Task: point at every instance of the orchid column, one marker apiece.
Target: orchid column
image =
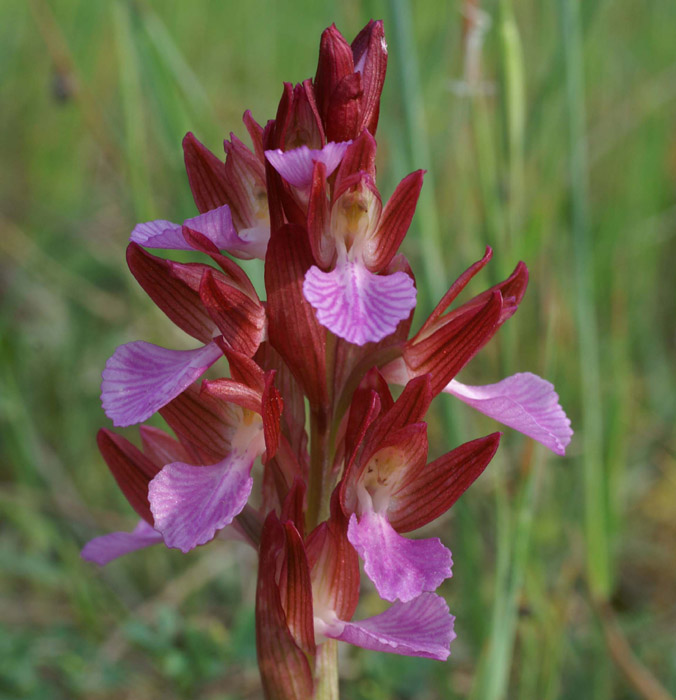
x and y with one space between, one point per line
318 353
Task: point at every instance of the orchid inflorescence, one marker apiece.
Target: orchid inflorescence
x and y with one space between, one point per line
321 351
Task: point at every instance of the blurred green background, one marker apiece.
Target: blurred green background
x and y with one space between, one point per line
548 131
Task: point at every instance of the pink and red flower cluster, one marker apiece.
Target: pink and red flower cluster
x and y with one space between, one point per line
321 349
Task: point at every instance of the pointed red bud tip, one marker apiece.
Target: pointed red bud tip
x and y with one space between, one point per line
370 38
309 130
513 290
298 120
206 175
370 59
244 185
335 63
131 468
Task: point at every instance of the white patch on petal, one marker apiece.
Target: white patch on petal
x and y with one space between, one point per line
255 240
397 372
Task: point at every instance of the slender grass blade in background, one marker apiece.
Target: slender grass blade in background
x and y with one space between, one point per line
418 151
596 496
131 93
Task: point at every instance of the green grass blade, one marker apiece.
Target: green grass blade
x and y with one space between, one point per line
427 220
596 498
131 93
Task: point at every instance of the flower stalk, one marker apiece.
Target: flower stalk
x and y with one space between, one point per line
326 671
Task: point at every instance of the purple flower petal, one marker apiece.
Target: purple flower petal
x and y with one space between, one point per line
140 378
216 225
159 234
296 165
191 503
524 402
357 304
421 627
104 549
399 567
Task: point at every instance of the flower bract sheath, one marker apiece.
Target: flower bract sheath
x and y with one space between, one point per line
286 434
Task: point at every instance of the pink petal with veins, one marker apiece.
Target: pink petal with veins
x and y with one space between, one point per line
216 225
140 378
358 305
159 234
524 402
400 568
421 627
191 503
296 165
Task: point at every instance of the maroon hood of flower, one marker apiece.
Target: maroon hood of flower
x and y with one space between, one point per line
349 81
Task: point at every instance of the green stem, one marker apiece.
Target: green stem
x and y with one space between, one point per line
326 671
